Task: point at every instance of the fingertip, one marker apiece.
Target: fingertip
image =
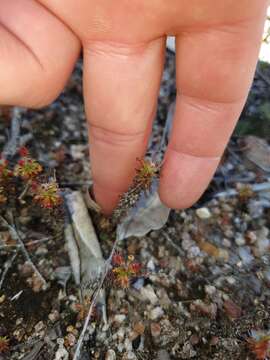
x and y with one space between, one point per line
184 178
106 199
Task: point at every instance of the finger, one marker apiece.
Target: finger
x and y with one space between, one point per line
214 73
38 53
121 84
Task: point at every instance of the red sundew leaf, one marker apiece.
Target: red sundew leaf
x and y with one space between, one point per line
135 267
23 151
21 162
4 344
34 185
117 259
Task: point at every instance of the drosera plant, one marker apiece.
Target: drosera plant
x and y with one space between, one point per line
27 168
124 271
22 186
47 194
24 179
146 172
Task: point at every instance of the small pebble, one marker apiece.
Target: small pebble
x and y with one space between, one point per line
148 293
245 255
54 316
151 265
131 356
156 313
163 355
210 290
119 318
39 326
110 355
70 340
155 329
226 243
201 307
240 240
128 344
194 339
139 328
203 213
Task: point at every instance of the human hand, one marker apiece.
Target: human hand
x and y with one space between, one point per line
123 43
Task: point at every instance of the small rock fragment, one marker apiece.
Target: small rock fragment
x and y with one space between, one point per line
131 356
39 326
203 213
155 329
188 352
70 340
194 339
139 328
128 344
54 316
209 310
156 313
148 293
61 353
240 240
151 265
119 318
163 355
210 290
232 310
214 341
110 355
245 255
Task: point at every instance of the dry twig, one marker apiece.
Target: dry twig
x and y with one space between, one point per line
7 266
255 188
14 141
94 301
29 243
15 235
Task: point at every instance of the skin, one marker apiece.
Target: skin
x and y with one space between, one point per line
123 43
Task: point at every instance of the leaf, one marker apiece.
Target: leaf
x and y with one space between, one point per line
257 151
150 214
85 253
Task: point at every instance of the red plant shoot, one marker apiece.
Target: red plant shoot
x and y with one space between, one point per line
124 270
4 344
48 195
23 151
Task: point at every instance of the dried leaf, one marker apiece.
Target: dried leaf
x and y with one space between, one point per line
90 257
150 214
73 253
90 202
257 151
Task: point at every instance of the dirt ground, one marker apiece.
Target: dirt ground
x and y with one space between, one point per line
204 292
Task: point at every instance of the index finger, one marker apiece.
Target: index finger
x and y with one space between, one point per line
121 85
